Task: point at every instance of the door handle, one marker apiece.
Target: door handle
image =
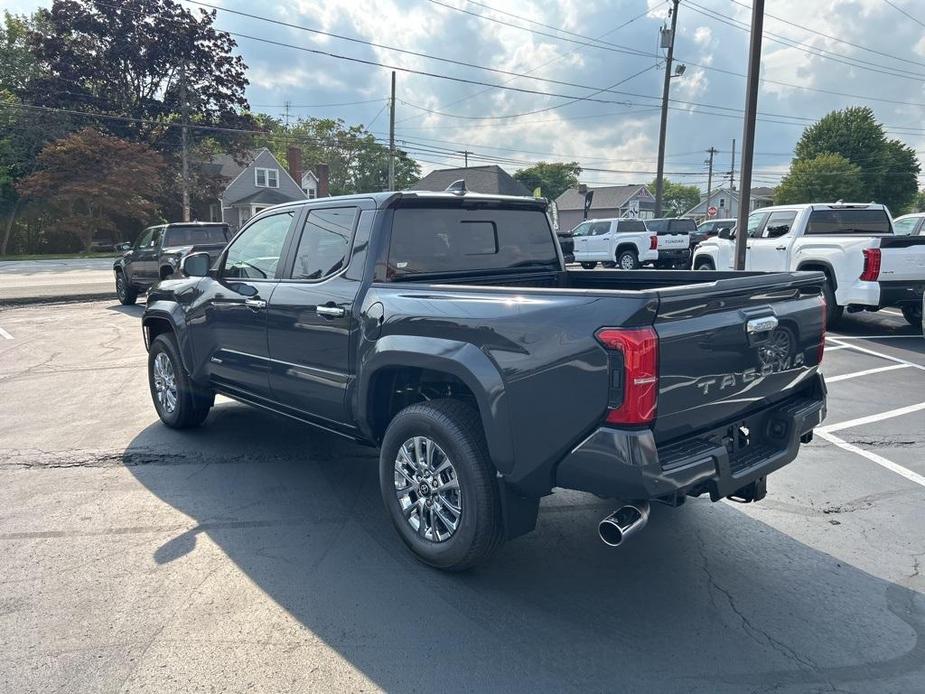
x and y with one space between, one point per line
255 304
330 311
780 248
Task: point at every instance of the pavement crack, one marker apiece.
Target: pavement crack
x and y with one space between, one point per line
755 632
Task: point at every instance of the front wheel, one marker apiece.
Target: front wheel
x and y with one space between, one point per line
179 402
127 294
913 315
589 266
439 485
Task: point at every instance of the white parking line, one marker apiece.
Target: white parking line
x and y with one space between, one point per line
880 354
836 348
873 457
845 377
870 419
5 335
872 337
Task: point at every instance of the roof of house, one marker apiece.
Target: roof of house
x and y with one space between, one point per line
604 197
763 192
490 179
228 166
264 196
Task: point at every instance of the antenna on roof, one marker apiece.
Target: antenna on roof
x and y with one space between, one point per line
457 187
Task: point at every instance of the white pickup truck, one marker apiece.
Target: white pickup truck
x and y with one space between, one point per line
868 266
623 243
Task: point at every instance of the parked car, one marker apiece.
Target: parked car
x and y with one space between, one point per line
867 266
158 251
708 229
446 330
910 224
674 241
623 243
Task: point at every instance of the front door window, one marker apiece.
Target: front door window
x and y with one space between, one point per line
255 254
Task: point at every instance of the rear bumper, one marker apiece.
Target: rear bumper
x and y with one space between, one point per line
900 293
628 464
676 256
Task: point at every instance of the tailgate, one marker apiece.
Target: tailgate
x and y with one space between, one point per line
902 259
730 347
673 242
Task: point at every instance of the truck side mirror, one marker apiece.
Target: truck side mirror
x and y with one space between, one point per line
196 264
725 233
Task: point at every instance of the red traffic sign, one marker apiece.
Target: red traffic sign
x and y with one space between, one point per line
711 211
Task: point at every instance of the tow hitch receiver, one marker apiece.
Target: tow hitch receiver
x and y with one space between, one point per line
755 491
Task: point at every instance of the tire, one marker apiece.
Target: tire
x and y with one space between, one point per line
455 432
166 273
913 315
189 404
628 260
589 266
127 294
703 264
833 312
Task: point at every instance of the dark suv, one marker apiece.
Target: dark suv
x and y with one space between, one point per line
157 252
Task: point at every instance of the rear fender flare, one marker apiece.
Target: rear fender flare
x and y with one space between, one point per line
827 269
463 360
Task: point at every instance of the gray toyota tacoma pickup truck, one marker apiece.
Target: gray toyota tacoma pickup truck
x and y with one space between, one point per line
445 329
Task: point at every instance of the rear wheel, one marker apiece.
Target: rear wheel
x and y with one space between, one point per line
913 314
439 485
179 402
589 266
627 259
127 294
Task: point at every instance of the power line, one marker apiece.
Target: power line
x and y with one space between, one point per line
900 9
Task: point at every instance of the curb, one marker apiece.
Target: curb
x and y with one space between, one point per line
60 299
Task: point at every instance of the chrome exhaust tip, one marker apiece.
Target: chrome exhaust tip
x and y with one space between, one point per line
624 522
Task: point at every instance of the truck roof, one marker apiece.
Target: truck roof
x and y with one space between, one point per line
392 199
824 206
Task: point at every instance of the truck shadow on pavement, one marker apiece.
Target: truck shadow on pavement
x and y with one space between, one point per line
705 599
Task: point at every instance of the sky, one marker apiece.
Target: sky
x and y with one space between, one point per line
606 70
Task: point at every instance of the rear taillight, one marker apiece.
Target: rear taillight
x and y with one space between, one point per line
825 318
871 265
635 402
653 243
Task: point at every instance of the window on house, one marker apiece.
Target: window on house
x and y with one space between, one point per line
311 193
722 202
266 178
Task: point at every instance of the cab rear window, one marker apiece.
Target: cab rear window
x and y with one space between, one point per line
848 221
449 241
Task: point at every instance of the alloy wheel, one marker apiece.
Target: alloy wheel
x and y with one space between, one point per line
165 383
427 489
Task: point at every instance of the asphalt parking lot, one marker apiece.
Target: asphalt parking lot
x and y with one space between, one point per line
255 554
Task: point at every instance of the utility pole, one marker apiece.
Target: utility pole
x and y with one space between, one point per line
184 136
663 125
465 153
392 136
748 134
287 115
712 152
732 168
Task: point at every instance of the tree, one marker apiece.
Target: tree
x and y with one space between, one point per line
552 178
358 163
92 180
889 169
129 58
17 64
823 178
677 198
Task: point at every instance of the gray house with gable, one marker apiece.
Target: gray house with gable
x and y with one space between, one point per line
255 182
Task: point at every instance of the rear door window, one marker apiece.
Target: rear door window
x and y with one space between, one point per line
325 243
848 221
446 240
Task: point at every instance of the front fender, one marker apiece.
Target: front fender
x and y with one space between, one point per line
160 311
463 360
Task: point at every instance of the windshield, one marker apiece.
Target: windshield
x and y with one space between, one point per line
193 235
442 240
849 221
